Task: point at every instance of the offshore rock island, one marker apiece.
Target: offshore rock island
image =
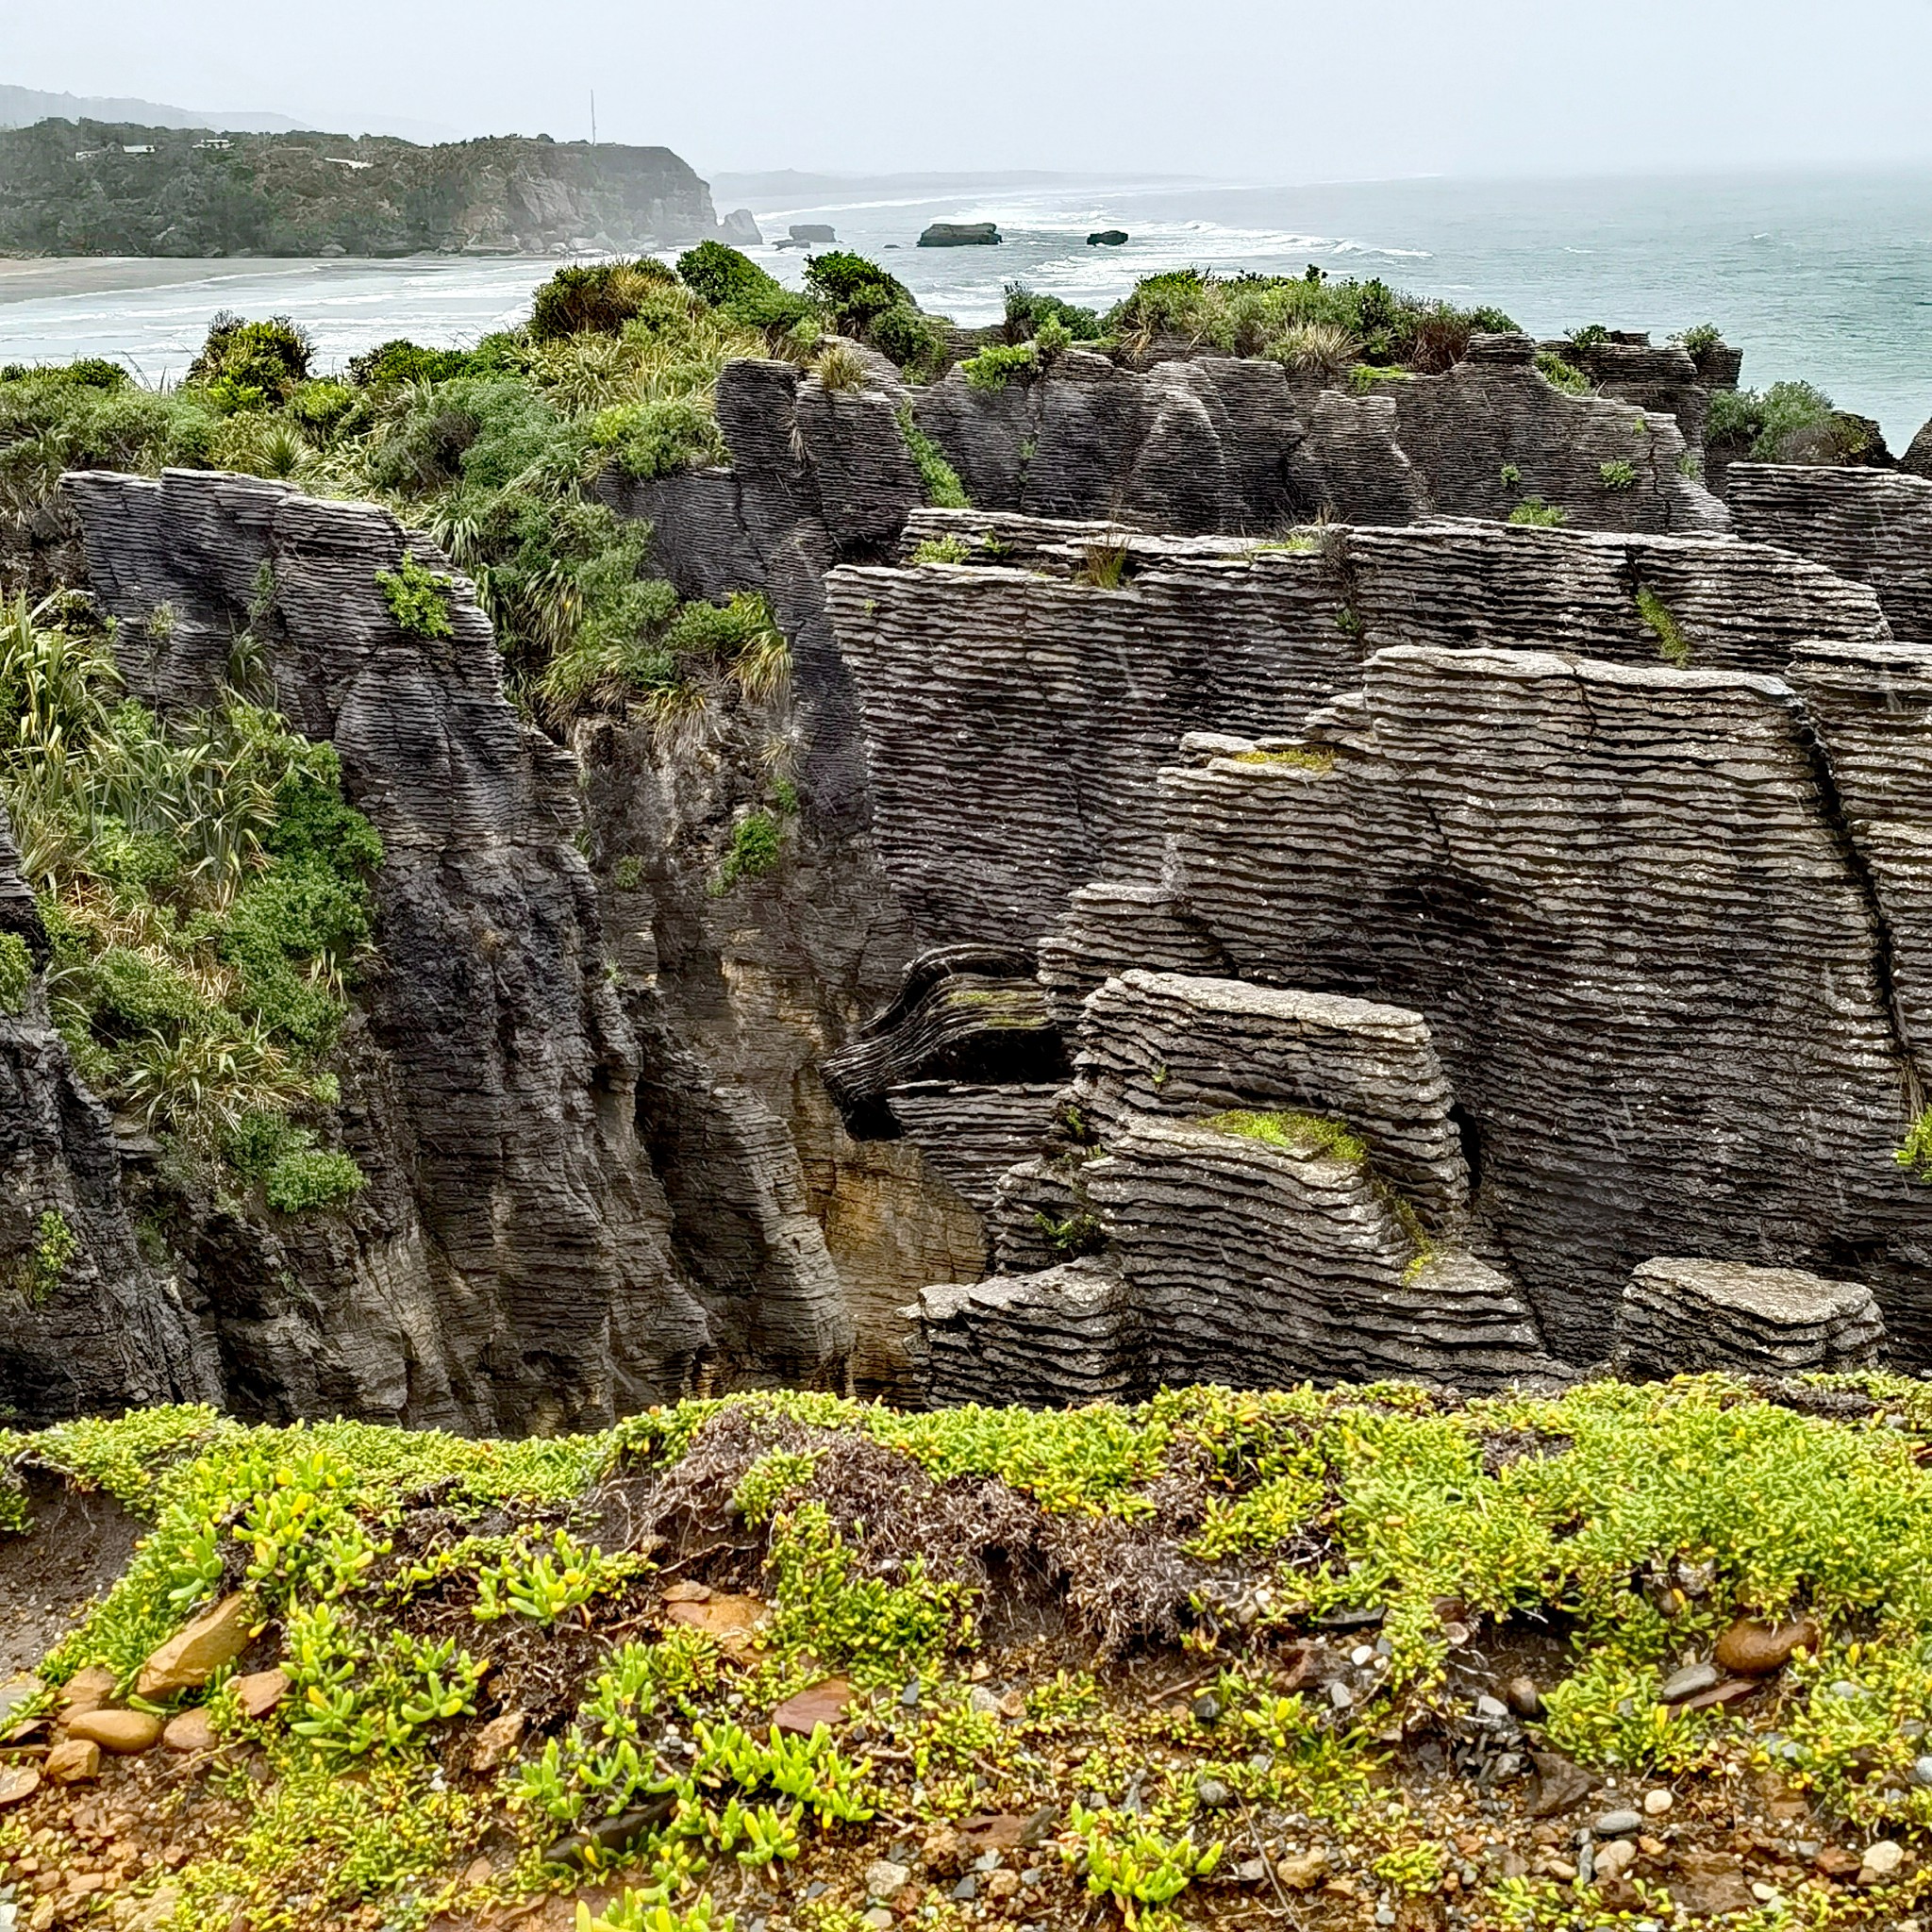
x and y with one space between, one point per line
908 950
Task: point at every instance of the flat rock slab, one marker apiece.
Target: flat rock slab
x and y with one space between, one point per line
198 1650
824 1703
735 1622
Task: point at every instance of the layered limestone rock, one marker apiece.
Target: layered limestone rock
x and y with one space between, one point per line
85 1324
1644 941
1170 1044
1687 1317
1872 525
1040 705
1068 1334
973 1013
1257 1265
1491 430
514 1261
1269 1187
1205 443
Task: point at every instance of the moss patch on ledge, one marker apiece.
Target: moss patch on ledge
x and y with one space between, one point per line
1186 1662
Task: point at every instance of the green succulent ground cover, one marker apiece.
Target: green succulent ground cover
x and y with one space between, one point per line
417 1586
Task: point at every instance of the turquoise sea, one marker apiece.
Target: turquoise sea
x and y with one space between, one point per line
1823 277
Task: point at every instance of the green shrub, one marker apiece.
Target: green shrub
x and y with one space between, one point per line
1672 646
305 1179
1699 342
942 550
997 364
757 845
852 292
1592 335
1562 375
736 284
601 298
16 971
1026 312
418 599
914 341
44 1266
394 363
1616 474
1766 424
658 439
938 478
1539 515
321 408
252 365
1915 1154
1267 315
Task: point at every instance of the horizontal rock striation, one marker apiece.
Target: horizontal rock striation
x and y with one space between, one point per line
1170 1044
513 1261
1201 443
1108 928
1257 1265
1872 525
973 1013
972 1135
1688 1317
1066 1335
1041 706
1490 431
1650 957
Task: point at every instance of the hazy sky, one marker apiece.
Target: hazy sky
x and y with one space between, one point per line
1267 90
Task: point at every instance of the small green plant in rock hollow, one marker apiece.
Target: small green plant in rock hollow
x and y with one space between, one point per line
938 478
1672 646
1533 513
1915 1154
757 845
1616 474
418 599
16 971
1562 375
44 1266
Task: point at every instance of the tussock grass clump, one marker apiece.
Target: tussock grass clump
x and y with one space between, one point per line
205 893
1272 315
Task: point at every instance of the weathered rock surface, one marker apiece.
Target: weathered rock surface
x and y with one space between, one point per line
102 1330
1065 1334
510 1261
1651 863
1205 443
1683 1317
1041 708
1872 525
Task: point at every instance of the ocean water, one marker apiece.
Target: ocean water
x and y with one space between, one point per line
1825 277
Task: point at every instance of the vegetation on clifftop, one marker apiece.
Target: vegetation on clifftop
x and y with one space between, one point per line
1179 1663
204 891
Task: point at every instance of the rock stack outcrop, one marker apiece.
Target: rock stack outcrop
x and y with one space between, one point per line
1204 443
1678 1317
515 1260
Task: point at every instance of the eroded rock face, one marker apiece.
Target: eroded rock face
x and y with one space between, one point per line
1205 443
1680 1317
1872 525
515 1263
85 1322
1041 706
1624 901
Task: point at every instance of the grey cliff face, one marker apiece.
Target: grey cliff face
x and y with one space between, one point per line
518 1262
1413 945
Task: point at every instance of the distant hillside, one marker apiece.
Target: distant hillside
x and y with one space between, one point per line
99 187
21 107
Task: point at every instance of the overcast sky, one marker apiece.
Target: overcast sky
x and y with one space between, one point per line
1275 91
